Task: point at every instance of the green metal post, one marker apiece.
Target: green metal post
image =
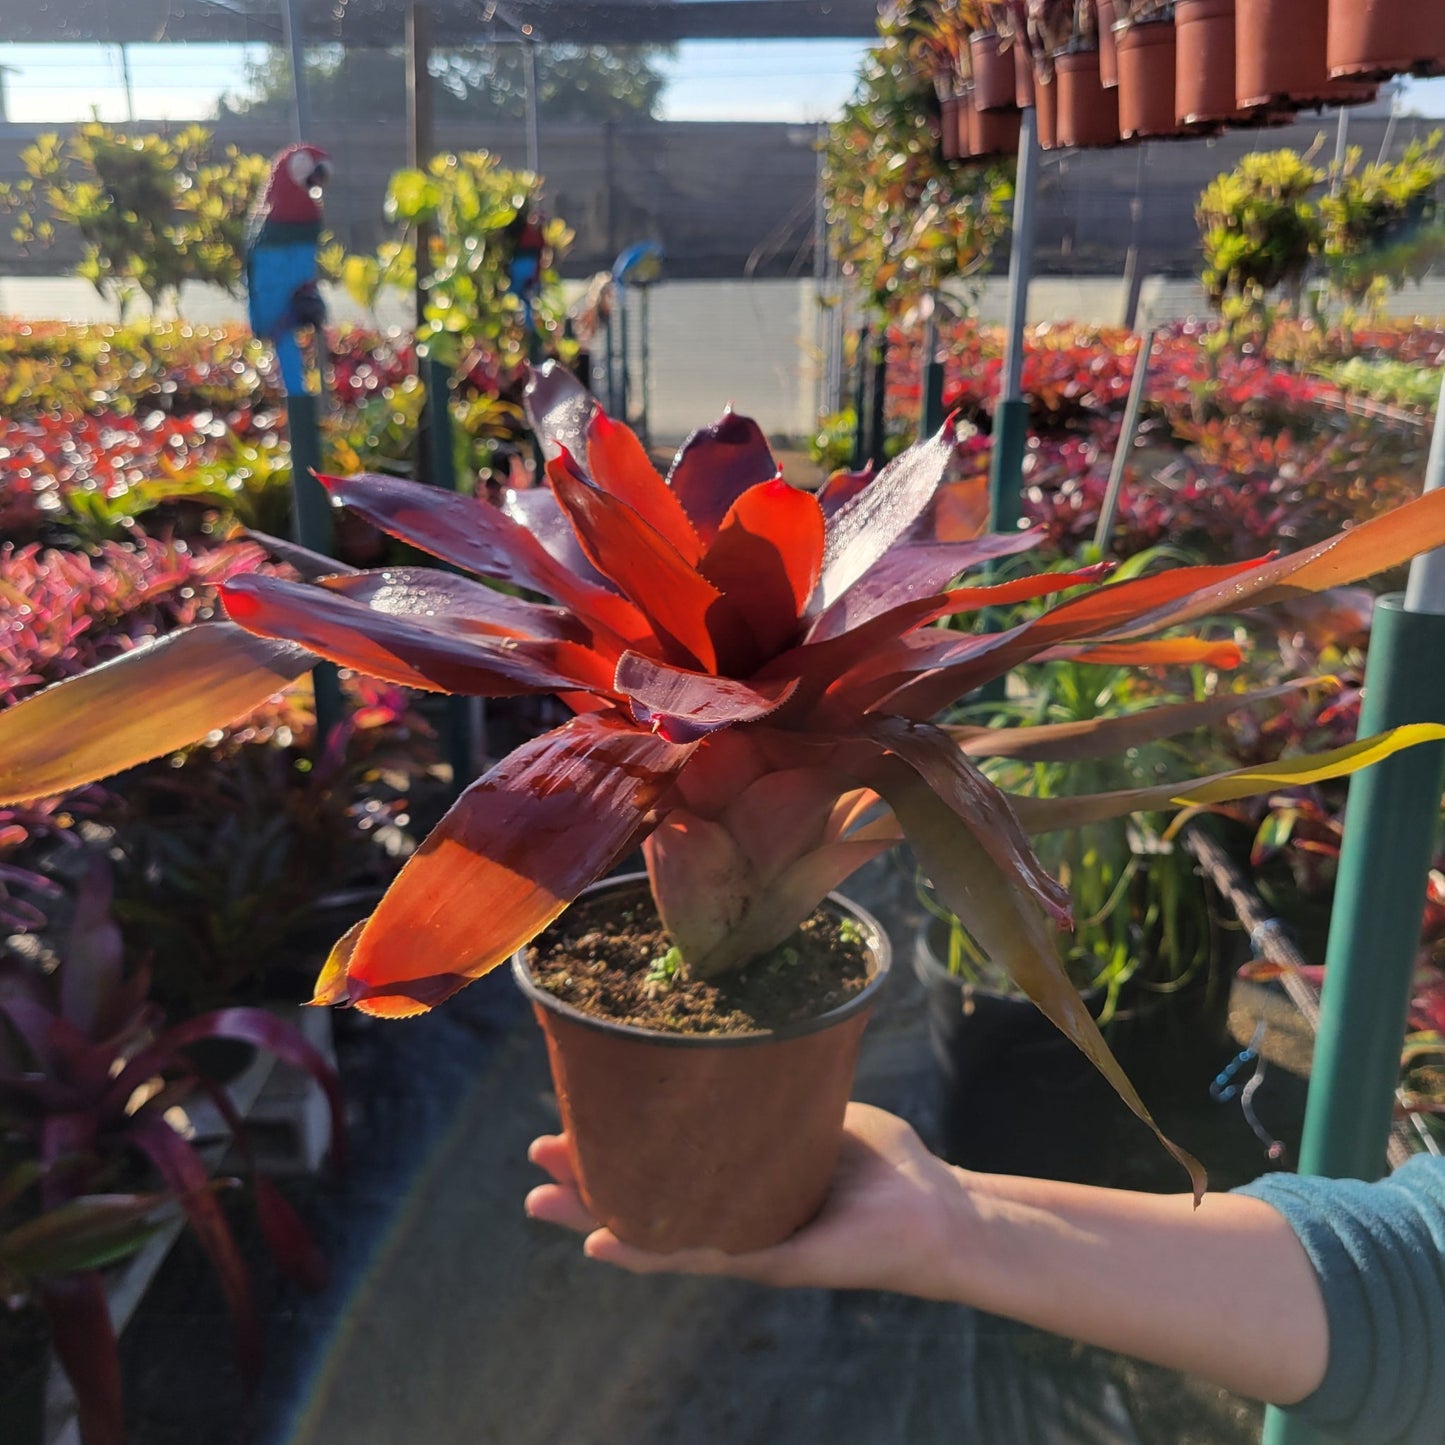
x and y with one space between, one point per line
1011 412
930 418
461 711
878 404
1390 831
860 400
311 527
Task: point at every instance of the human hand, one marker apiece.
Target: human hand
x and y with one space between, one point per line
894 1218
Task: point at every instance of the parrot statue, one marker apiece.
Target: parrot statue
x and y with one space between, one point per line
281 269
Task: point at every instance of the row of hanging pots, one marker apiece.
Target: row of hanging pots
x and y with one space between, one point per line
1196 68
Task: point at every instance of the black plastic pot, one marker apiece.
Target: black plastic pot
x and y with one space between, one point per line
1017 1096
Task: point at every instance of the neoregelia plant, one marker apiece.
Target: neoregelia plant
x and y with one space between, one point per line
752 669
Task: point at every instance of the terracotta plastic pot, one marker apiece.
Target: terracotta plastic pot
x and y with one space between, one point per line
1379 38
993 73
1146 52
1204 65
682 1140
1088 115
1108 44
948 126
1279 56
1046 110
994 133
1023 62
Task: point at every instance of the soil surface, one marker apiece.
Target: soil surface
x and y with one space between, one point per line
612 958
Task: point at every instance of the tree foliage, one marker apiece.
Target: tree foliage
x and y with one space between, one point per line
574 83
903 220
152 211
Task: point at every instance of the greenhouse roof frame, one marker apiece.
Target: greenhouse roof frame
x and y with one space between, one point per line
381 23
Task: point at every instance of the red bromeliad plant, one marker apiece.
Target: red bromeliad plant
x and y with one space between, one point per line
751 667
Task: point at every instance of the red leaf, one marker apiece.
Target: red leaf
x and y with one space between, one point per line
435 655
765 560
536 509
478 538
684 706
512 852
1156 653
85 1345
560 409
470 606
715 466
622 545
619 465
865 528
842 486
292 1245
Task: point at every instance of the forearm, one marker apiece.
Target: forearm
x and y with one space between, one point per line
1225 1291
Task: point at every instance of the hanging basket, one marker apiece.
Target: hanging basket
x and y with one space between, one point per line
1046 109
1023 63
1108 45
1204 66
1279 57
948 126
1374 39
1088 115
993 73
1146 51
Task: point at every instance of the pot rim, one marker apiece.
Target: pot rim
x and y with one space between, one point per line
878 946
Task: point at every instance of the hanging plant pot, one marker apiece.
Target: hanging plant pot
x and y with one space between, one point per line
1088 115
1108 44
994 133
1204 65
682 1140
1279 57
1146 51
1374 39
993 73
1023 63
1017 1097
1046 109
948 126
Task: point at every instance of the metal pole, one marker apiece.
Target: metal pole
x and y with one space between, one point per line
645 429
463 713
1392 820
1137 385
1011 413
534 136
860 400
930 416
311 527
1134 261
624 401
125 80
1342 146
420 130
300 108
878 402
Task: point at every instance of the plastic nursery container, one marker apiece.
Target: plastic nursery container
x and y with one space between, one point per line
1087 114
1146 51
1374 39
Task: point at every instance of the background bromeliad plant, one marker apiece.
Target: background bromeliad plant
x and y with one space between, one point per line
723 637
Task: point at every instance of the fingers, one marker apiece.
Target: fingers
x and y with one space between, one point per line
549 1153
560 1204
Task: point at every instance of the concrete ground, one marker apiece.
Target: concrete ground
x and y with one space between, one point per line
454 1319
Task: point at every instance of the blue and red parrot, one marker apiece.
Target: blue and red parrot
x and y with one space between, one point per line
281 268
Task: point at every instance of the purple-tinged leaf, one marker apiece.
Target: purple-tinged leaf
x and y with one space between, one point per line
185 1176
433 653
309 566
985 811
84 1342
94 956
470 606
863 530
715 466
86 1233
842 486
783 815
913 571
684 706
512 852
148 702
536 509
292 1245
559 408
477 537
1003 918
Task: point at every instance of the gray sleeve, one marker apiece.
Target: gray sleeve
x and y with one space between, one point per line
1379 1252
